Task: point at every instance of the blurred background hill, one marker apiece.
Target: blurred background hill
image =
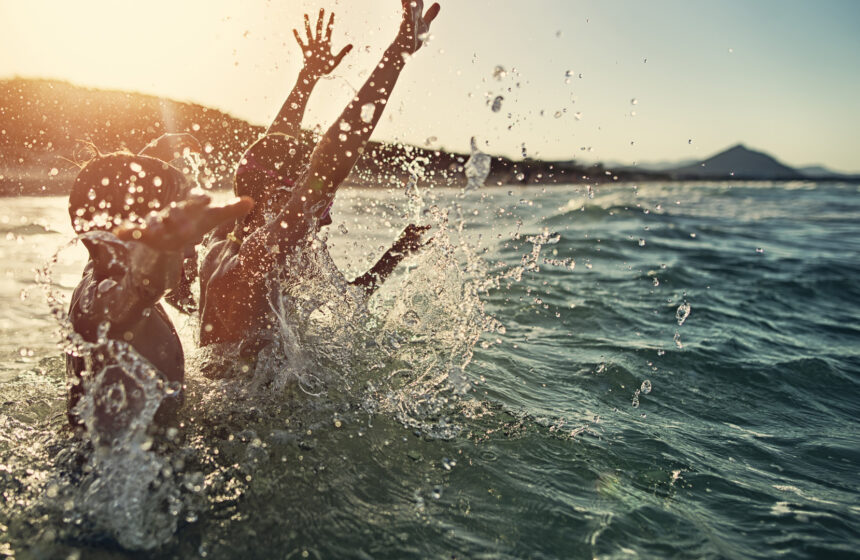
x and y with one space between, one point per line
46 125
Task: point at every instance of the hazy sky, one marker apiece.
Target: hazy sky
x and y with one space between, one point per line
658 80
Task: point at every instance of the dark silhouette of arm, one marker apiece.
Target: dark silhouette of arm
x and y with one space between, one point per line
408 242
334 156
342 144
338 150
133 266
319 60
120 281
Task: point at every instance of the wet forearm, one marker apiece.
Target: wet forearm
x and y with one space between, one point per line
344 141
289 119
373 278
124 285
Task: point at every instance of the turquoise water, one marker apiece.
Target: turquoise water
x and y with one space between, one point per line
661 370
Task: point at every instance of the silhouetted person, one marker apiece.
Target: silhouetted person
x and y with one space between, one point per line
293 190
139 222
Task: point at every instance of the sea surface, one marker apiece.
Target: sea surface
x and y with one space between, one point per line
661 370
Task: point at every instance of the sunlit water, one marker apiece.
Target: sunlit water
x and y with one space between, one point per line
668 370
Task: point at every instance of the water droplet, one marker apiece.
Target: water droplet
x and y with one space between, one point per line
641 242
499 72
759 250
411 318
635 402
677 339
497 103
367 112
344 126
682 313
646 387
54 171
634 101
342 228
477 167
195 127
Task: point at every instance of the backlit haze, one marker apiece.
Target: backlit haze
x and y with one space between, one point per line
625 81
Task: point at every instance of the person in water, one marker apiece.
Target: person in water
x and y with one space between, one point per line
293 189
139 221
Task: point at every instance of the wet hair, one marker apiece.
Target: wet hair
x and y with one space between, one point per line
276 160
269 171
116 187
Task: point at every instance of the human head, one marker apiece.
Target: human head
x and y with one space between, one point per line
113 188
268 173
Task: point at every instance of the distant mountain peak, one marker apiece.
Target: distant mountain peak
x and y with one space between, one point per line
738 162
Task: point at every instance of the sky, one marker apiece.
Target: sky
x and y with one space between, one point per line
618 81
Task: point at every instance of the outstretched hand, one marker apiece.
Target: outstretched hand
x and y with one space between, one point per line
410 240
319 57
415 25
183 224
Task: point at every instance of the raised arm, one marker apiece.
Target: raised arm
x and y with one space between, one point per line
342 144
319 60
336 153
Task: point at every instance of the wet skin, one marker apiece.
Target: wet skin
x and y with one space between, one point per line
233 277
129 271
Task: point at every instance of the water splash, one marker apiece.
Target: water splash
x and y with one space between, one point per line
125 490
682 313
477 167
496 105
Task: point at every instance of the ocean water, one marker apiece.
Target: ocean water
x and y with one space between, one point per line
662 370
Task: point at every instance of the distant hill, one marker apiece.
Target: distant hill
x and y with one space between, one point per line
43 121
819 171
738 162
655 166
